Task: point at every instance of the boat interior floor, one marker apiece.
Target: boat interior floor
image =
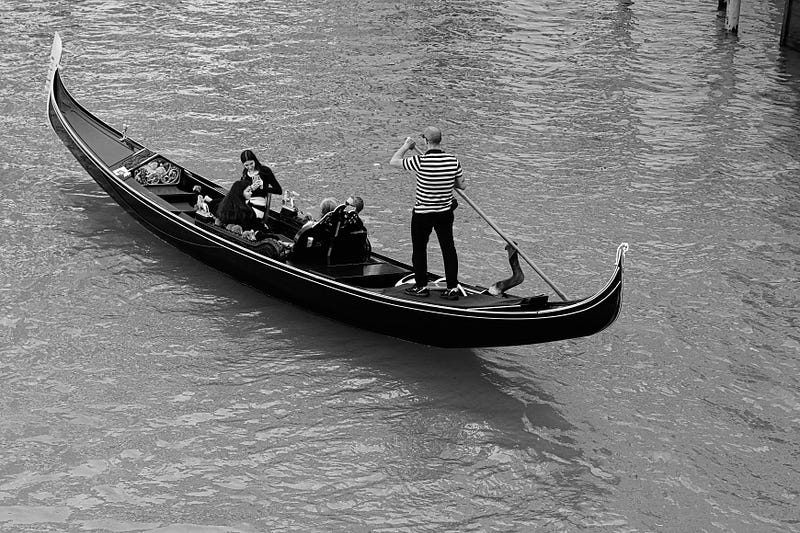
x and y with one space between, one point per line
472 300
369 274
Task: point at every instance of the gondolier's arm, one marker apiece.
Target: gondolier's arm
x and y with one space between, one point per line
399 155
409 144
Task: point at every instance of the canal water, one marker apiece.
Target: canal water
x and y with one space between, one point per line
143 391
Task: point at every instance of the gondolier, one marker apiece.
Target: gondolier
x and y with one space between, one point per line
437 173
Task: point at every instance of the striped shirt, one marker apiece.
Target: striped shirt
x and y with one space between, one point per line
436 175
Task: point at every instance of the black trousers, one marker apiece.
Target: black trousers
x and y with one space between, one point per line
421 227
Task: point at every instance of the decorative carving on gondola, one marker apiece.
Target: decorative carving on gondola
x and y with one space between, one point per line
517 276
158 172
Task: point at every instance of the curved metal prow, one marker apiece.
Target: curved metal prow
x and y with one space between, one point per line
621 251
55 64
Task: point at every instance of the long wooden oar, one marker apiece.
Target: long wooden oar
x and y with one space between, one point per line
507 239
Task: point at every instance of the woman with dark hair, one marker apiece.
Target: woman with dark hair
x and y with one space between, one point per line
262 182
234 210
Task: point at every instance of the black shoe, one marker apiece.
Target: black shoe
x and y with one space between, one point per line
450 294
417 291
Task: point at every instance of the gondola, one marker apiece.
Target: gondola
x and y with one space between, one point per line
339 276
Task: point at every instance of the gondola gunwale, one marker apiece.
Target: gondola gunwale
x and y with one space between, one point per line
189 224
148 200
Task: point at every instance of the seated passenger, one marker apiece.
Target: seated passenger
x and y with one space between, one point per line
355 203
313 239
326 206
338 237
262 180
351 221
351 241
235 214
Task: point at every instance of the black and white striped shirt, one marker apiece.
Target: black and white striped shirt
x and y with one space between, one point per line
436 175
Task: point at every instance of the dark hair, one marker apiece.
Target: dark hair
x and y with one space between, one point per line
233 209
248 155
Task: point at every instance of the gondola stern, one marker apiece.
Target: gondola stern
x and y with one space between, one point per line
608 301
618 285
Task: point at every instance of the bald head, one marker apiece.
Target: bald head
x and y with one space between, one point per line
433 134
356 202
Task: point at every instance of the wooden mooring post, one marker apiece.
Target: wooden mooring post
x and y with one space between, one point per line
790 33
731 9
732 16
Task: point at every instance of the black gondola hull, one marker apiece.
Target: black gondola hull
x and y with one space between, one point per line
96 146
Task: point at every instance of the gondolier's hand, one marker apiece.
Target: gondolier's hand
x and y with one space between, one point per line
397 158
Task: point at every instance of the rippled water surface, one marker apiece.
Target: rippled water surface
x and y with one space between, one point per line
143 391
